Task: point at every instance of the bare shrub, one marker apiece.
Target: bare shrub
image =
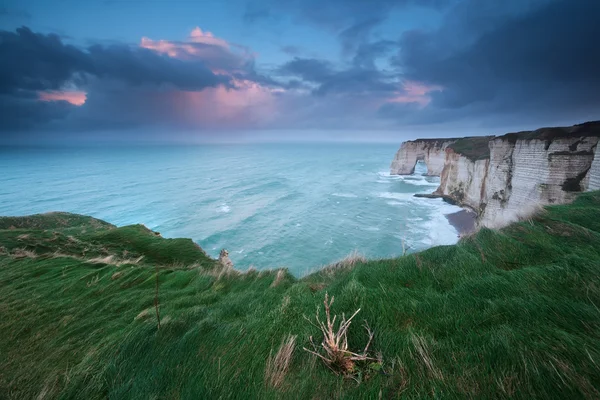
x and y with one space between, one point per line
334 347
278 364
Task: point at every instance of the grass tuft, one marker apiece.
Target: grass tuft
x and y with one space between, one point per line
278 364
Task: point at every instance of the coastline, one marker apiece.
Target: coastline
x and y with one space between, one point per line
463 221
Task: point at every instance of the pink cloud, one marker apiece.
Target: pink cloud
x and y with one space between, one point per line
201 45
415 92
199 36
248 103
74 97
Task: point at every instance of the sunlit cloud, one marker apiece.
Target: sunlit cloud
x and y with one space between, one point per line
75 97
199 36
204 46
244 103
248 104
415 93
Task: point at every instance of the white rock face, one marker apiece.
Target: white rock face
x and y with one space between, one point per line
431 151
463 180
524 171
526 174
594 175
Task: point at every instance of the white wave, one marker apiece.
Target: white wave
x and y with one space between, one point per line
386 175
224 208
397 196
346 195
415 180
419 181
371 229
440 231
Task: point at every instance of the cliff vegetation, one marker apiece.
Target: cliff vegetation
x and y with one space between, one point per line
474 148
90 311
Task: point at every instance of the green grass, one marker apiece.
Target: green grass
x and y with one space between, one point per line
503 314
474 148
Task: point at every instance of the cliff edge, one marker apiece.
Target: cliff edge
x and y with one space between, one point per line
503 178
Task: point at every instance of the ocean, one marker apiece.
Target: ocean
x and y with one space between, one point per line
299 206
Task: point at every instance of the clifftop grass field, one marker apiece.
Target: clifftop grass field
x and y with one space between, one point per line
503 314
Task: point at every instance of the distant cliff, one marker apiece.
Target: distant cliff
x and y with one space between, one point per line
505 177
431 151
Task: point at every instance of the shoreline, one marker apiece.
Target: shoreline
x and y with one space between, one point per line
463 221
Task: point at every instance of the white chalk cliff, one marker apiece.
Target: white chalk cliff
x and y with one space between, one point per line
515 173
431 151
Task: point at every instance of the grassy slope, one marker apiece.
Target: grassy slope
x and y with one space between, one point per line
503 314
474 148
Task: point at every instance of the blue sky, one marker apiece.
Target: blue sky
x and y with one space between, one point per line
204 70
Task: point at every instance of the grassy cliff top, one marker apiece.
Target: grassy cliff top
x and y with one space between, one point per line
474 148
503 314
586 129
477 147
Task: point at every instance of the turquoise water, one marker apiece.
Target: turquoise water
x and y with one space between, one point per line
295 206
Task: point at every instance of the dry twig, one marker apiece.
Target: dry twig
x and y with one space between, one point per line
334 347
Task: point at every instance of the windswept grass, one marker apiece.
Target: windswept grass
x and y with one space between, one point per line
513 313
279 363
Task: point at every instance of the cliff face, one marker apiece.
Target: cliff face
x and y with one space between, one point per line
527 173
463 180
431 151
518 172
594 175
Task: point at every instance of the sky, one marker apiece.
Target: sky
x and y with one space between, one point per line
293 70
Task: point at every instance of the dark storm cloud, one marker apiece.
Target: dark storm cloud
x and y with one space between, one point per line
354 80
32 62
138 66
541 64
23 112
